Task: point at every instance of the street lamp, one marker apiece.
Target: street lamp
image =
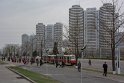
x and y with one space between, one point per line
118 55
118 60
81 62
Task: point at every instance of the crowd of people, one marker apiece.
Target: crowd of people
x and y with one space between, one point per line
15 59
60 64
30 60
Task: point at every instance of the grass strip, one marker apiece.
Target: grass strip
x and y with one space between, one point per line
38 78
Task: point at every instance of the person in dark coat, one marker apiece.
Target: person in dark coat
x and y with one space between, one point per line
63 64
90 62
79 66
37 61
32 60
41 62
105 67
56 63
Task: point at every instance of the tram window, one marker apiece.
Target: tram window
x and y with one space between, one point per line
72 57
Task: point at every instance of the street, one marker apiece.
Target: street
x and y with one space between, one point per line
7 76
71 75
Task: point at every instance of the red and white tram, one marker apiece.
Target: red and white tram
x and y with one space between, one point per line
67 59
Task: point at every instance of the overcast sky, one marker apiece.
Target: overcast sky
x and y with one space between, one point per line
21 16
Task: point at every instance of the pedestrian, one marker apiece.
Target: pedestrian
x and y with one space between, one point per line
90 62
41 62
8 58
20 59
105 67
32 60
37 61
2 58
24 60
60 64
63 64
79 66
56 63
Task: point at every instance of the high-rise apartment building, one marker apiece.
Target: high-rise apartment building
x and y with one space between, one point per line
33 43
91 27
40 35
25 44
105 27
29 44
49 36
76 27
58 34
25 39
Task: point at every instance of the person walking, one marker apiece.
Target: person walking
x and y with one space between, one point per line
105 67
79 66
56 63
37 61
63 64
41 62
90 62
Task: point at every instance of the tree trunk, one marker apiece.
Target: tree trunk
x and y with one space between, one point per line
113 60
113 50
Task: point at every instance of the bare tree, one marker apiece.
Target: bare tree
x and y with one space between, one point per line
55 51
74 37
116 21
26 48
11 50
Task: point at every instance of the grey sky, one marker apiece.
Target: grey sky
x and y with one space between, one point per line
21 16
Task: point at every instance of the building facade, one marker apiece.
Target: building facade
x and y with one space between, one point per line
25 48
33 44
40 36
105 27
58 34
25 39
76 28
49 36
91 27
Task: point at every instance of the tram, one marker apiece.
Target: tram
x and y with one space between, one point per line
67 59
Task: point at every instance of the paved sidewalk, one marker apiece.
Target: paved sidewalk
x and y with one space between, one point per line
109 76
71 75
97 64
89 73
7 76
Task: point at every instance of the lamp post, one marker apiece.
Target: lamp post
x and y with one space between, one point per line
118 56
81 61
118 60
81 67
46 62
